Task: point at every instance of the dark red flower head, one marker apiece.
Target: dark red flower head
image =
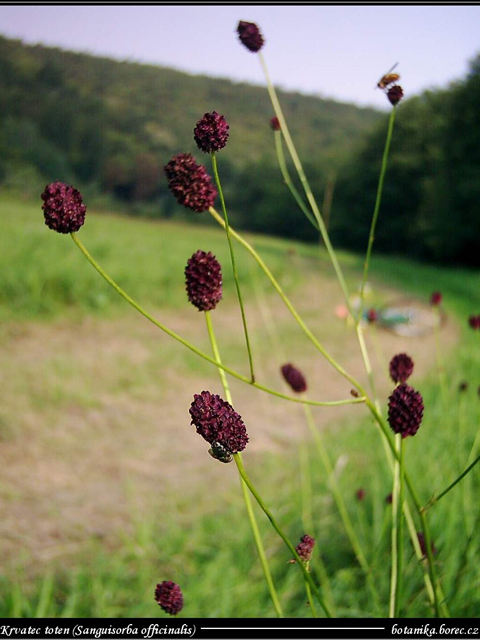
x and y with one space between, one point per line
463 386
474 322
360 494
405 410
250 36
372 315
169 596
275 123
305 548
395 94
389 498
294 378
203 276
190 183
217 422
435 298
63 207
211 132
401 367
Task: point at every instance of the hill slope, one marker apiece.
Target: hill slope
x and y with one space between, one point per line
114 124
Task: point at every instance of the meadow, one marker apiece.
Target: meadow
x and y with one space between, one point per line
106 488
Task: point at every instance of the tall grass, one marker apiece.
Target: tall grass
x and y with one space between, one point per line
212 548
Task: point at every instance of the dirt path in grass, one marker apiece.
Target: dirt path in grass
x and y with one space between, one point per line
94 424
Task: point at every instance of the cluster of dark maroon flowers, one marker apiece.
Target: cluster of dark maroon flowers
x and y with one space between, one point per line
211 132
474 322
395 94
401 367
305 548
190 183
218 423
203 276
405 405
294 377
250 36
169 596
63 207
372 315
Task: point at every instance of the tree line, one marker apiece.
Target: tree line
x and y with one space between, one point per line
110 126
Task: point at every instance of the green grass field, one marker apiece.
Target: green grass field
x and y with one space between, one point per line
196 533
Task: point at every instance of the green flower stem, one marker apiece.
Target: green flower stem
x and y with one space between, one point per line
306 575
400 530
374 408
337 494
234 266
216 355
321 224
376 209
395 519
304 459
371 238
195 350
288 180
308 192
443 493
420 510
397 531
310 600
248 503
289 305
412 529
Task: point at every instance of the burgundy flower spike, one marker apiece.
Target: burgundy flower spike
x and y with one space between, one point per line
294 377
218 423
203 275
305 548
250 36
63 208
211 132
405 410
401 367
169 596
190 183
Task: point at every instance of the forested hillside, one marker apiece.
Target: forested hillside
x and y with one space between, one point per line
115 124
109 127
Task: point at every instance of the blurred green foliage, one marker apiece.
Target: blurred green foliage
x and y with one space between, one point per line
431 196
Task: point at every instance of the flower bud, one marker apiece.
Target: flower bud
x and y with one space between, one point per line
250 36
294 377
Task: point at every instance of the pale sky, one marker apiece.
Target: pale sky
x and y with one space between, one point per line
336 52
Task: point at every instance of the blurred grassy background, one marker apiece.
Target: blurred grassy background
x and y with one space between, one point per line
82 375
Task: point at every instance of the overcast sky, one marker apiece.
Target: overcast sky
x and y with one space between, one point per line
332 51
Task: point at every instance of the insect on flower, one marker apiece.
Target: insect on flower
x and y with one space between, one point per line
388 79
219 452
